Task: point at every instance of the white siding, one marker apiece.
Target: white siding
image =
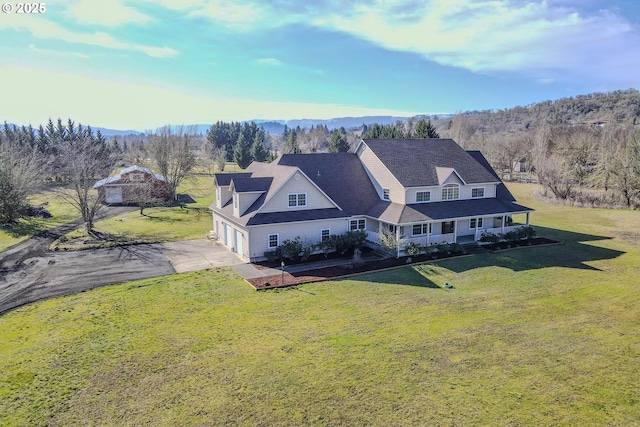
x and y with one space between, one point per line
308 231
280 201
246 200
225 195
381 177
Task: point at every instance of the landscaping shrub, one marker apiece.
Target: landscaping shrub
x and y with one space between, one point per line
412 249
488 237
291 249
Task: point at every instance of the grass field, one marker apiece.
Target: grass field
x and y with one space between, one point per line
157 225
545 336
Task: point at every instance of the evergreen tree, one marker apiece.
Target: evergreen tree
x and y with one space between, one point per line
258 151
338 143
241 152
424 129
291 145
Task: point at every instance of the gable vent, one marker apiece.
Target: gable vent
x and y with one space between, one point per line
296 177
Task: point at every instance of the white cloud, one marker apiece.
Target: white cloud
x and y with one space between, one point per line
231 13
142 106
109 13
495 35
56 53
44 29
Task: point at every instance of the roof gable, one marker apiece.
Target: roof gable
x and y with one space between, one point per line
341 176
414 162
445 173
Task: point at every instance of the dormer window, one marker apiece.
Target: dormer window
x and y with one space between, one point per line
451 192
136 177
385 193
423 196
477 192
235 201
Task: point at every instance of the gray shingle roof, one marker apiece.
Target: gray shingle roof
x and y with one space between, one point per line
247 185
344 179
341 176
414 161
225 179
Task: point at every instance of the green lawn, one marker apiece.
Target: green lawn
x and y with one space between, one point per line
158 224
61 213
543 336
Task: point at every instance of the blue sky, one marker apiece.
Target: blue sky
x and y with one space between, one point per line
142 64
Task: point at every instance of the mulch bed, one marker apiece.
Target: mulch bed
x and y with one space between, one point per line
502 246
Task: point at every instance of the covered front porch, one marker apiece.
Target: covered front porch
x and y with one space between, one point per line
459 230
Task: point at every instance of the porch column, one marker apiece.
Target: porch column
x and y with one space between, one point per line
429 234
527 221
504 218
455 231
398 241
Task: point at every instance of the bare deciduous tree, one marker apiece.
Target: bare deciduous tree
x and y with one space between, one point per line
85 160
173 153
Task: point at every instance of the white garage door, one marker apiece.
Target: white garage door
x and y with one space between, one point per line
113 194
239 242
227 235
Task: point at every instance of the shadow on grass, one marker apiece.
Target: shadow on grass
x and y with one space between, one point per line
397 276
25 227
573 252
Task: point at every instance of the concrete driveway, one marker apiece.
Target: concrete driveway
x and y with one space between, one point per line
194 255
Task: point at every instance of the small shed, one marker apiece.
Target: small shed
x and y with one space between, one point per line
135 185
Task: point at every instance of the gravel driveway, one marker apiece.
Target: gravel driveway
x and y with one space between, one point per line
29 272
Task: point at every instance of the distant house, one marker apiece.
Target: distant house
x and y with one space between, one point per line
135 185
425 191
522 165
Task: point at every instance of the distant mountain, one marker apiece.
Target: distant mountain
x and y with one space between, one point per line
110 133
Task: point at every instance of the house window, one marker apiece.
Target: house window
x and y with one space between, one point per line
451 192
475 223
299 199
385 193
421 229
273 240
235 201
357 224
136 177
218 197
477 192
448 227
325 234
423 196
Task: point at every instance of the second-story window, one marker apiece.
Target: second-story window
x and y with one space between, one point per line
423 196
385 193
451 192
477 192
299 199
